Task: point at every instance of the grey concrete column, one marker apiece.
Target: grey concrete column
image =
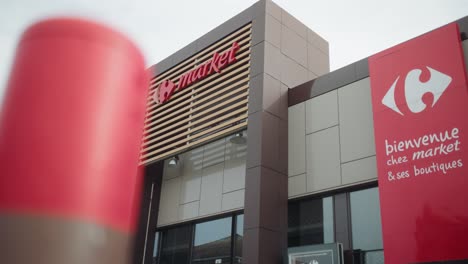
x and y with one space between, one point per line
266 193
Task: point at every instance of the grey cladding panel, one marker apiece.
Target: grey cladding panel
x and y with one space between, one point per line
356 121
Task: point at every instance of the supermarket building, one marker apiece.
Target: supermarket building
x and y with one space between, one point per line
252 147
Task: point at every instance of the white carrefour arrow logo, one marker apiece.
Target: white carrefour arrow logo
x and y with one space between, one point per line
415 89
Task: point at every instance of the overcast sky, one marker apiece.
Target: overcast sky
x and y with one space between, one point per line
354 28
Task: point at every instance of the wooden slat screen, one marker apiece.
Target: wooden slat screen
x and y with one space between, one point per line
206 110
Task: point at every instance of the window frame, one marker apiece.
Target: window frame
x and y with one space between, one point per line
192 224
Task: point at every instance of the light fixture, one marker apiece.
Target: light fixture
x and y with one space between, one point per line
173 161
238 139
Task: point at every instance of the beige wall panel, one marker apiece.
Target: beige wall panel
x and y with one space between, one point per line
356 121
211 189
322 112
297 185
323 159
296 140
359 170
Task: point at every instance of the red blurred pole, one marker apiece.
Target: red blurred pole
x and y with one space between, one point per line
70 130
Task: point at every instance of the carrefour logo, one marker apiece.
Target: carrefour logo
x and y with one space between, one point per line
415 89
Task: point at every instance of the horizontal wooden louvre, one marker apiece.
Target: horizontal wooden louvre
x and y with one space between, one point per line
209 109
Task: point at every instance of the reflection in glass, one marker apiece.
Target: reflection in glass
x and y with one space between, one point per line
175 245
238 239
365 219
374 257
328 223
310 222
156 248
212 242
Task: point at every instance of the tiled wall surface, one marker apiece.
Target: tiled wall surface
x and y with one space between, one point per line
208 180
279 60
291 52
331 140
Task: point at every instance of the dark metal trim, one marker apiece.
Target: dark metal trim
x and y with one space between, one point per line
201 220
347 189
350 222
329 82
152 179
192 242
344 76
341 218
233 236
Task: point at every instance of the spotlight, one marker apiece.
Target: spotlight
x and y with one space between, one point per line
238 139
173 161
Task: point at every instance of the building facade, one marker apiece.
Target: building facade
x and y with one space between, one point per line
251 147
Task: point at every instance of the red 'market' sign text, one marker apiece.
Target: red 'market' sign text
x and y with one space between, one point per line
218 62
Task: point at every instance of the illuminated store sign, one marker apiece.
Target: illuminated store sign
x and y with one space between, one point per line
419 101
218 62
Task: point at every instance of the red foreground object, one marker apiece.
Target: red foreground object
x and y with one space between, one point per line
70 127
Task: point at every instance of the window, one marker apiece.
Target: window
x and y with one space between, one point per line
310 222
238 238
156 248
365 219
366 225
328 221
213 242
210 242
175 245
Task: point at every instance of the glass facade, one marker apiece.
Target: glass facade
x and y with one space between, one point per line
156 248
238 238
365 219
366 224
210 242
213 242
175 245
310 222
